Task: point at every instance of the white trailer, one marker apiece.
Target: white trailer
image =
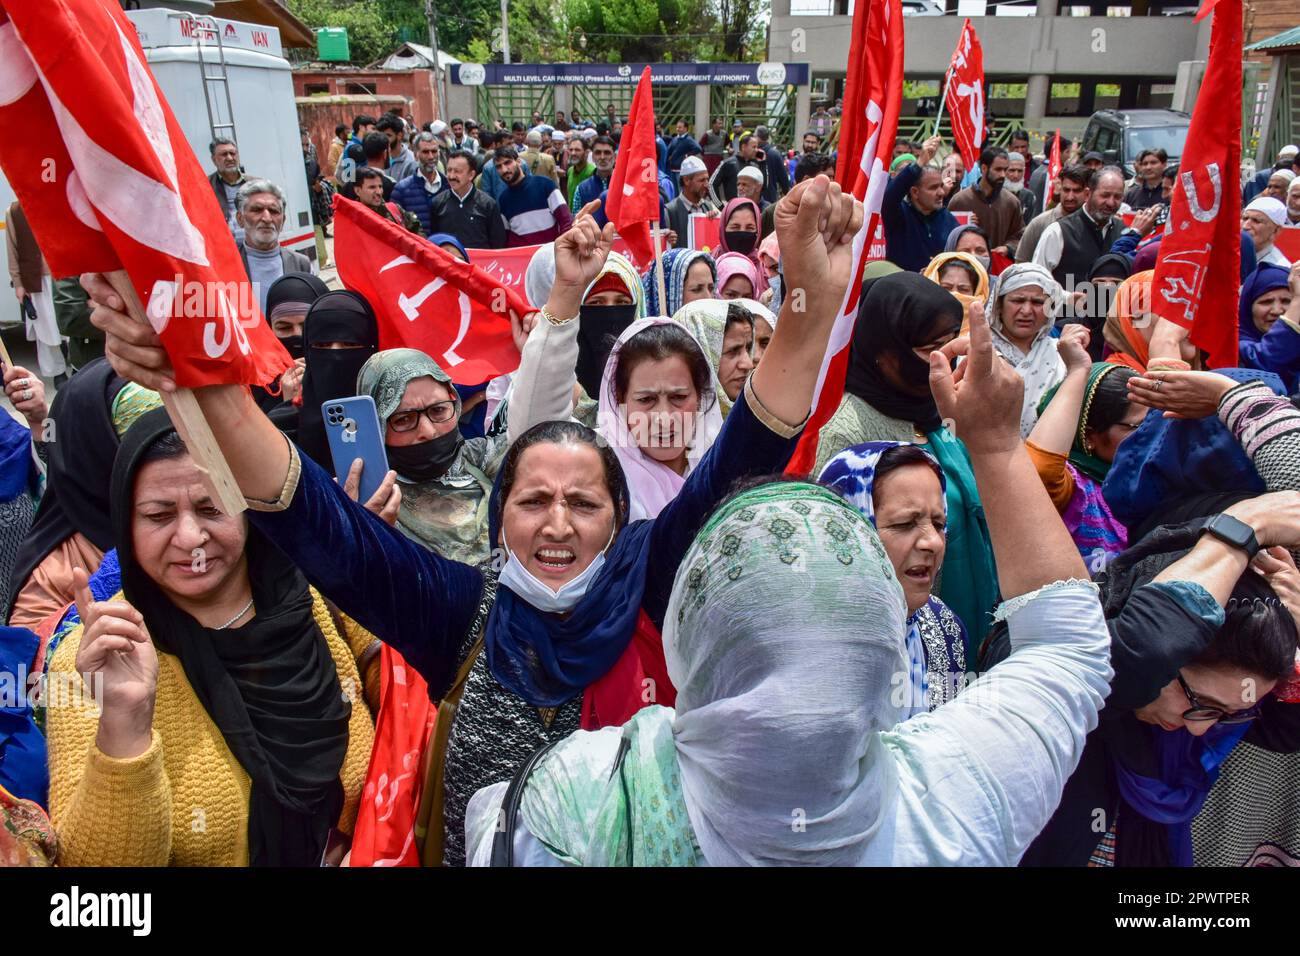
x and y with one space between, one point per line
223 77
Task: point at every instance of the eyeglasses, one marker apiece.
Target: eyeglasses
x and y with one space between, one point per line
409 420
1199 711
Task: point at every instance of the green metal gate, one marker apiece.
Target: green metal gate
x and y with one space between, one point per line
671 103
770 106
511 103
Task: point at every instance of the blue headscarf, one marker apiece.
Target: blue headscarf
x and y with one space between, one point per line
446 238
677 262
24 764
1266 278
547 659
1171 458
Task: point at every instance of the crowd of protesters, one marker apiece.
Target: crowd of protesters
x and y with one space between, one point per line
1035 601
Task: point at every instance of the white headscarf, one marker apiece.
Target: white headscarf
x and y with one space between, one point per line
1041 367
651 485
784 637
539 277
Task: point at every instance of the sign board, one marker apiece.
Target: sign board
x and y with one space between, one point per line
615 74
163 28
704 231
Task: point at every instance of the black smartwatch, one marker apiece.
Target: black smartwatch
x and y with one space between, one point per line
1232 531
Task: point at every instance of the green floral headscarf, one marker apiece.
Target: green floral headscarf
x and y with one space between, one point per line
1080 457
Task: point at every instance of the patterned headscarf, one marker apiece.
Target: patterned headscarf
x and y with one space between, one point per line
943 259
1041 367
768 601
386 374
677 263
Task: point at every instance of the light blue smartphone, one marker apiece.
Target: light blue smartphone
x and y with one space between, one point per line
352 427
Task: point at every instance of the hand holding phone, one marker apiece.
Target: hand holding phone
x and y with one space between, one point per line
353 430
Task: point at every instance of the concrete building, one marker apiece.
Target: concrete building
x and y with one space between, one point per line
1037 44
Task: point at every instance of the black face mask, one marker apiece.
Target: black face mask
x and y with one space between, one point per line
426 460
598 329
742 242
293 345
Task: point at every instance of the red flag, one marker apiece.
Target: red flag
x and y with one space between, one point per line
873 96
426 299
386 818
1054 167
114 185
965 96
633 200
1198 269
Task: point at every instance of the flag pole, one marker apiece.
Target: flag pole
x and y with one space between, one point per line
943 98
659 265
183 407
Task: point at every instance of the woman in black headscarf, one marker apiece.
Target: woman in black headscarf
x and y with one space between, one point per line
1104 279
287 303
71 526
340 334
902 318
253 688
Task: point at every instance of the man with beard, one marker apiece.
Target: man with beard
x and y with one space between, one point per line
578 168
227 179
415 193
916 223
694 198
370 184
533 206
1072 244
1073 192
1016 165
590 189
259 208
996 210
748 153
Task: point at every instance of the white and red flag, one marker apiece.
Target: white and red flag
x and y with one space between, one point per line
965 95
873 96
425 298
108 181
1198 267
633 201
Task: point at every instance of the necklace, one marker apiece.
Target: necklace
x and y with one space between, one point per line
247 607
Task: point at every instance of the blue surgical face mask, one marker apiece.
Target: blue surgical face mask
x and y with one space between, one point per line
525 586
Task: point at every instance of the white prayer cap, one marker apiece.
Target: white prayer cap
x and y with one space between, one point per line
751 172
558 136
437 127
1288 152
1273 208
693 164
1285 174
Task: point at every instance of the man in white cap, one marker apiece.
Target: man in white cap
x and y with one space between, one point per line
1293 204
749 185
1261 220
1287 158
1278 184
694 198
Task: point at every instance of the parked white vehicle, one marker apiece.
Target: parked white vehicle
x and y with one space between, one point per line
248 77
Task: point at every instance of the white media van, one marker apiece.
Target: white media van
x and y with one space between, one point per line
247 76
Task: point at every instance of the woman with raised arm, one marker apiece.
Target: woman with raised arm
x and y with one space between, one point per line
1081 423
564 634
786 745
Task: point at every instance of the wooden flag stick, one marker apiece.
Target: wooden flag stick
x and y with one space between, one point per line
183 407
659 265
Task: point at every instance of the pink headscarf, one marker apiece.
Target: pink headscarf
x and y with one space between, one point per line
732 205
651 485
769 247
734 263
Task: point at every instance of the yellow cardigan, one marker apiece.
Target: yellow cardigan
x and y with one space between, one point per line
184 801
